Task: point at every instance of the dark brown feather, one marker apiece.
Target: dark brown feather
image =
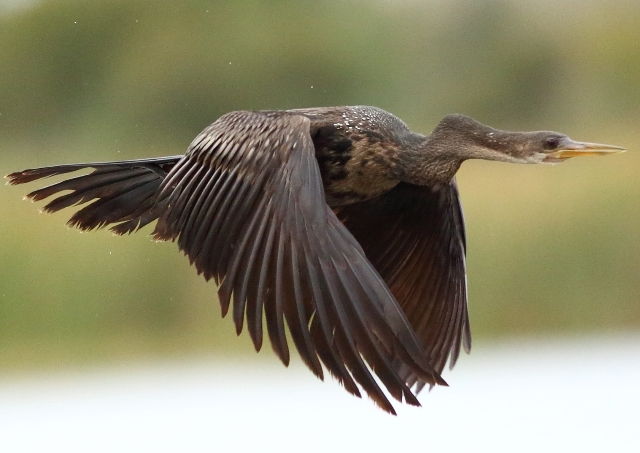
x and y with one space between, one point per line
267 201
414 236
125 192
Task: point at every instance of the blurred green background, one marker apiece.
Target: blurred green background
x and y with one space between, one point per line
551 250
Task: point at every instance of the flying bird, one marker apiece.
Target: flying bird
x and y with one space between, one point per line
338 221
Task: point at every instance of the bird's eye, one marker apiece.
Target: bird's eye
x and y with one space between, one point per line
551 142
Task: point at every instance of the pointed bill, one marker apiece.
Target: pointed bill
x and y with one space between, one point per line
574 149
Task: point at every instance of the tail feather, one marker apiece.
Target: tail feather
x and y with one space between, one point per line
125 192
85 189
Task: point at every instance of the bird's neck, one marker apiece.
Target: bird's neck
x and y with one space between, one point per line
437 157
426 162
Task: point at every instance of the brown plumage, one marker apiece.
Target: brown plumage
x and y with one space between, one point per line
339 221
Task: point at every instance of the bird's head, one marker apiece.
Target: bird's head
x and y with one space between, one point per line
469 139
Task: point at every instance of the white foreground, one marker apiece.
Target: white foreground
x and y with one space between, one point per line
554 396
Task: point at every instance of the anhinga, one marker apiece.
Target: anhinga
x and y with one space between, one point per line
340 221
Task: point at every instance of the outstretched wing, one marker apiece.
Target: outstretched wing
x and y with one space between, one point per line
414 236
247 206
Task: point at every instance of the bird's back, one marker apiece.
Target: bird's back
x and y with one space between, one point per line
357 149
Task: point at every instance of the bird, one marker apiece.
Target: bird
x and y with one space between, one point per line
337 224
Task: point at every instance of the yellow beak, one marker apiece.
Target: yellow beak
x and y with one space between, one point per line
573 149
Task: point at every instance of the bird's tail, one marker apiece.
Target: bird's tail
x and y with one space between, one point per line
125 192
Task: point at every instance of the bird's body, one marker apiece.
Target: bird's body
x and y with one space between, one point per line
362 152
339 221
357 150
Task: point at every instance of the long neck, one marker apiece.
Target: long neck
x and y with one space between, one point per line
433 159
437 157
427 163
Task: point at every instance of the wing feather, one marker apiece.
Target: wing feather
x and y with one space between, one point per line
414 236
256 220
